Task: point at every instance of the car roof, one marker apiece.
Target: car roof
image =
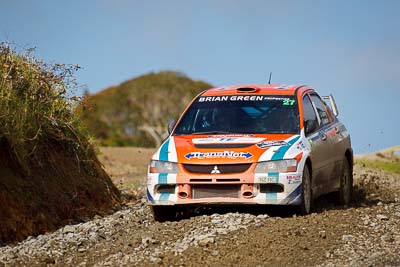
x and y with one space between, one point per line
260 89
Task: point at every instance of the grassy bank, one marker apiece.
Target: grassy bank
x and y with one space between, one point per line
393 167
35 107
49 172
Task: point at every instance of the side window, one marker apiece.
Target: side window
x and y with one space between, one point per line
308 110
321 109
310 118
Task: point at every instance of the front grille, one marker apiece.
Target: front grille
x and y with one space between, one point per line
209 191
200 180
217 168
232 180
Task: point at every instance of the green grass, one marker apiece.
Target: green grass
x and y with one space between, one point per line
36 107
393 167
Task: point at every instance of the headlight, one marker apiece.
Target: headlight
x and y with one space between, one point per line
163 167
286 165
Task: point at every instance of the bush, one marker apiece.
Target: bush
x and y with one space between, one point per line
35 106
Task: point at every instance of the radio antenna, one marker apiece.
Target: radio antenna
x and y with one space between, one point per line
269 80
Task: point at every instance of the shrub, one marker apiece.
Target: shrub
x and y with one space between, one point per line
36 106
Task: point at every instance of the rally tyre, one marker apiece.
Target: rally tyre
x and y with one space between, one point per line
163 213
346 184
306 193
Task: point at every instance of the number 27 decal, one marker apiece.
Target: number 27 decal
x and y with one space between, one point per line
288 102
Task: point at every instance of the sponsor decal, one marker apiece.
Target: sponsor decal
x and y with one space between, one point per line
301 146
267 179
266 144
286 101
231 98
276 98
283 149
227 140
224 154
294 179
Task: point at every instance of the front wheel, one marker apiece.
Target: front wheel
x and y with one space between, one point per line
346 184
306 193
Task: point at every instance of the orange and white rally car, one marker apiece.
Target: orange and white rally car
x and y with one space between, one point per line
253 144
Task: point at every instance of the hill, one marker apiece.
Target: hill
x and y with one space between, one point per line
136 112
49 172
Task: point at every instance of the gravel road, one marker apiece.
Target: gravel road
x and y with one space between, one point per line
364 234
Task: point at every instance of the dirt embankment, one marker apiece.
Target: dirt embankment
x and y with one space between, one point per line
365 234
60 191
49 173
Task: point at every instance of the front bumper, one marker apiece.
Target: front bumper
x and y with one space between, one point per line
267 189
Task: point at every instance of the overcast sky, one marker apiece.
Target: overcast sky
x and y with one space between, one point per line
348 48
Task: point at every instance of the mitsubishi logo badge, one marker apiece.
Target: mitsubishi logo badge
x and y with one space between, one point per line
215 171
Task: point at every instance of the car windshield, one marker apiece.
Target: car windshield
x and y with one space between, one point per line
241 114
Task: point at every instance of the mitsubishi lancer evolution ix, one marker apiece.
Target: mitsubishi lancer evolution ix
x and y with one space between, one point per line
252 145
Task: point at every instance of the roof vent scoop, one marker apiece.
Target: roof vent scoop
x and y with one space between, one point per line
246 90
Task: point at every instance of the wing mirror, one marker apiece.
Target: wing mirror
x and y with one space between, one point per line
332 104
171 125
310 126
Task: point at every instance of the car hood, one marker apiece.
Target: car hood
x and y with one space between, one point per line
225 149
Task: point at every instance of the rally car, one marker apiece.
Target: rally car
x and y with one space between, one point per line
252 145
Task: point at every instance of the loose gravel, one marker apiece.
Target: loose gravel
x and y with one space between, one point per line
365 234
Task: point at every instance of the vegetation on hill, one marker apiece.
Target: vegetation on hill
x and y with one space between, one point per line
385 160
136 112
49 173
392 166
